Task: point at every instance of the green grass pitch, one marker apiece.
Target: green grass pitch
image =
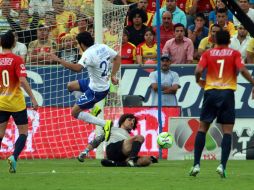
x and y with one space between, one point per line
169 175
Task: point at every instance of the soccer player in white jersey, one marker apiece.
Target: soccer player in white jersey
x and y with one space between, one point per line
97 59
122 149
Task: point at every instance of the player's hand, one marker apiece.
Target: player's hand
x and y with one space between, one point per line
114 80
53 57
202 83
35 104
252 92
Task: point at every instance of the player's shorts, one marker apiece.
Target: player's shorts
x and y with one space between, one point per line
89 97
20 117
114 152
220 104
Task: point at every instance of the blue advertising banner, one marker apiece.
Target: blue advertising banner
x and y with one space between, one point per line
49 86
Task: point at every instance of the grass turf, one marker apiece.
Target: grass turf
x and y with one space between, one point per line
171 175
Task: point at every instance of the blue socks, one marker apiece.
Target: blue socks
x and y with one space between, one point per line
19 145
199 146
225 149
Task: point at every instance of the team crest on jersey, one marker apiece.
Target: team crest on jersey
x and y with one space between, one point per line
128 50
22 66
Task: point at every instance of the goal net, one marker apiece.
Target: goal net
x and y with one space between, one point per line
53 132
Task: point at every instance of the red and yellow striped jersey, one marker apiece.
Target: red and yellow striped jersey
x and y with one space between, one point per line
149 54
11 96
222 64
128 53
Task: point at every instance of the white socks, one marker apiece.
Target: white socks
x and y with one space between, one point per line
87 117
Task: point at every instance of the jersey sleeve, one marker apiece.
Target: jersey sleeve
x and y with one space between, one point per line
238 60
153 78
139 50
85 59
203 60
20 68
112 53
176 79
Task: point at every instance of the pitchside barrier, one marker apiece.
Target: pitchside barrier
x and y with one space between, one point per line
53 133
184 130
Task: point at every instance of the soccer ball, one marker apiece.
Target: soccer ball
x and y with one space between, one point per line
165 140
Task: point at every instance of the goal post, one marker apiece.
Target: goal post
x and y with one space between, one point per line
53 132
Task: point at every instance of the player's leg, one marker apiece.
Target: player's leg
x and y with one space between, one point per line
226 116
21 120
208 113
131 148
92 145
74 88
4 118
114 154
144 161
77 88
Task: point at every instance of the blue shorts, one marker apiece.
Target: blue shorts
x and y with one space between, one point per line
218 104
89 97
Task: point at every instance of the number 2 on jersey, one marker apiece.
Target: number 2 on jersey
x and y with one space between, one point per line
221 62
104 65
5 78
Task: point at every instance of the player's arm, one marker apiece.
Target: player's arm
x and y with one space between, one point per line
246 74
28 90
116 65
68 65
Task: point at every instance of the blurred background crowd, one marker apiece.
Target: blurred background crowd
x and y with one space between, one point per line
187 28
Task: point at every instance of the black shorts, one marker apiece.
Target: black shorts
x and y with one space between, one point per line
114 152
20 117
218 104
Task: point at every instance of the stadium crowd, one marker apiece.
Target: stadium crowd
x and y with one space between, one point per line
187 29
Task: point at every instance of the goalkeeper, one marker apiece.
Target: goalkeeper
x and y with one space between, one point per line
97 59
122 149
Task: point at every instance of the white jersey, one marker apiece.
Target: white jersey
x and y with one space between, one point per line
118 134
97 60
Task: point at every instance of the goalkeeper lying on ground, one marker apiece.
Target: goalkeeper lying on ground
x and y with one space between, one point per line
122 149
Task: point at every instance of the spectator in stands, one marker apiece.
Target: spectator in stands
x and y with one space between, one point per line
167 28
196 6
180 48
208 42
119 2
240 41
111 35
222 20
147 51
4 13
69 52
169 84
18 49
245 6
128 53
40 7
181 4
38 50
82 24
56 30
67 18
178 15
250 51
197 32
26 31
212 14
137 30
143 4
251 3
